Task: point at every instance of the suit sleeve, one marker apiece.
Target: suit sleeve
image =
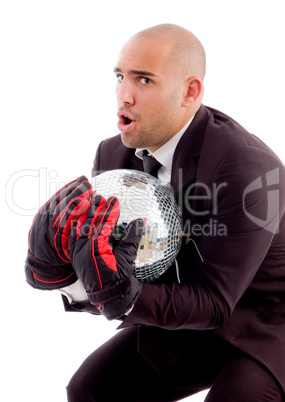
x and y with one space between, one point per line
96 163
249 206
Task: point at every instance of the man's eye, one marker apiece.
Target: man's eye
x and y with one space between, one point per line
145 80
120 77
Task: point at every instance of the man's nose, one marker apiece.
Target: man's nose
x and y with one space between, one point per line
125 94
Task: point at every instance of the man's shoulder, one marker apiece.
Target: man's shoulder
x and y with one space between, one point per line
227 134
225 124
228 146
113 147
113 154
112 141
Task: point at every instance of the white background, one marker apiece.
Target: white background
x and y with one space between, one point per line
57 101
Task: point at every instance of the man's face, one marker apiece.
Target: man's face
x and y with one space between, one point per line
149 94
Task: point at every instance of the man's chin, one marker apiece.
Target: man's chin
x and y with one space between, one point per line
128 141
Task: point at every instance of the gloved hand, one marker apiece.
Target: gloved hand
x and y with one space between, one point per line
48 264
105 271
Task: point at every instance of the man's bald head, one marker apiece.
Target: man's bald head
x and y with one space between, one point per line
187 52
159 85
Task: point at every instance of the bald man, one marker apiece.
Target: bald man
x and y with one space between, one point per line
219 324
158 59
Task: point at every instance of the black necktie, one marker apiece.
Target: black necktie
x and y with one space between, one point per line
150 164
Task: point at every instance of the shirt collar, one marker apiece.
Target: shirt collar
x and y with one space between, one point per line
165 153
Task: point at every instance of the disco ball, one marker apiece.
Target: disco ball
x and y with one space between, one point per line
143 196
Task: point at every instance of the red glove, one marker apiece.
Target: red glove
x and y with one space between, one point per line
105 271
48 264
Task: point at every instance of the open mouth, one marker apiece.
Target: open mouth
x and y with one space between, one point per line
125 123
126 120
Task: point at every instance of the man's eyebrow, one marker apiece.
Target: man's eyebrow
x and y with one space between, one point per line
136 72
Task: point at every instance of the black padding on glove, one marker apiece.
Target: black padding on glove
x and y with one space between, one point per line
48 264
41 275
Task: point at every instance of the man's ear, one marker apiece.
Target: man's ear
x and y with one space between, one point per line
194 91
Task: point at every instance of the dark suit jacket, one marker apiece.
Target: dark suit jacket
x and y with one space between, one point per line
230 187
